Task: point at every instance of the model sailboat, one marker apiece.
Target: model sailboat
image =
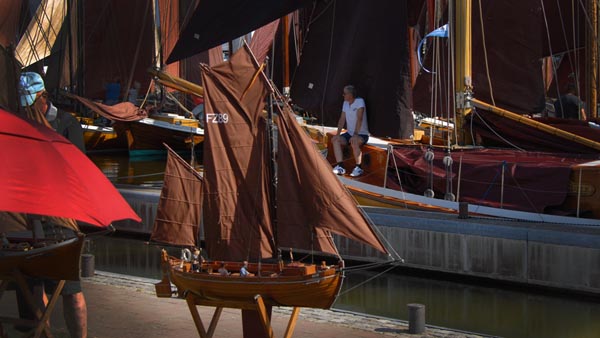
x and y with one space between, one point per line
244 218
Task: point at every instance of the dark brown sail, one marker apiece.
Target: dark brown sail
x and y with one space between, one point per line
311 201
180 206
236 205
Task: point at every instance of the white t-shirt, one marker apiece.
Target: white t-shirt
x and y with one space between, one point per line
351 111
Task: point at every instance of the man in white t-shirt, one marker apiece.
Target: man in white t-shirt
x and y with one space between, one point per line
354 115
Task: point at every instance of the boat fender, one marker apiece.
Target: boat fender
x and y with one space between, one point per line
186 255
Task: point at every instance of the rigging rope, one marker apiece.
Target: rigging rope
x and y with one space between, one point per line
562 25
452 95
485 55
399 180
550 49
328 63
366 281
474 112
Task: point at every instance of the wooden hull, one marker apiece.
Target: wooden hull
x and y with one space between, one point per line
56 261
146 137
103 138
314 290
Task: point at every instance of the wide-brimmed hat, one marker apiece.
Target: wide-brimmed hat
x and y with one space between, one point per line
31 83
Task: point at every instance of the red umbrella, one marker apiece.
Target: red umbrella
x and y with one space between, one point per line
43 173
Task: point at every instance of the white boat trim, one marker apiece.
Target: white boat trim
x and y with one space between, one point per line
97 128
473 208
167 125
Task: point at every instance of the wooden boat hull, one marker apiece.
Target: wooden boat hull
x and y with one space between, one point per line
56 261
316 290
146 137
103 139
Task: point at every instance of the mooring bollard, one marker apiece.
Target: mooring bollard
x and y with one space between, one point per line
463 210
416 318
87 265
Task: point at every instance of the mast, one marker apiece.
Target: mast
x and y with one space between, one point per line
157 45
286 54
80 56
591 65
461 35
271 146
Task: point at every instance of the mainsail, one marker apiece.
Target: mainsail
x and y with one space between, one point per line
236 206
311 202
180 207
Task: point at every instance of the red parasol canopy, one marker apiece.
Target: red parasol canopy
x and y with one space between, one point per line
43 173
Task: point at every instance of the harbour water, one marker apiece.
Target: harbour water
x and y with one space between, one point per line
477 308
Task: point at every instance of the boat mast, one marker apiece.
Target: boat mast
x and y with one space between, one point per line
157 45
591 65
271 146
80 56
286 54
461 35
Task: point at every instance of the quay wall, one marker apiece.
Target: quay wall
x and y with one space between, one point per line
550 255
558 256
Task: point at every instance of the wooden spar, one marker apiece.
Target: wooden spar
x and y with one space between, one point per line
285 34
461 37
538 125
177 83
157 46
591 65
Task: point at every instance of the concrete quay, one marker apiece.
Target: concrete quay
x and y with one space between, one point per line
126 306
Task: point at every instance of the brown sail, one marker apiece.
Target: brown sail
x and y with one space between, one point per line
180 206
236 205
311 201
262 40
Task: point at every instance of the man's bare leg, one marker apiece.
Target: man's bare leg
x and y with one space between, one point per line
75 313
337 141
356 142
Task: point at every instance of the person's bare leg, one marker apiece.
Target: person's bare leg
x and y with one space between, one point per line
75 313
337 141
356 143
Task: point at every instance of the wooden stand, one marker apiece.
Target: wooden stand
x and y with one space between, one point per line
257 305
40 324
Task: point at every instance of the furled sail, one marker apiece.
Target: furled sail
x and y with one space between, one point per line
311 201
42 31
124 111
236 205
180 207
